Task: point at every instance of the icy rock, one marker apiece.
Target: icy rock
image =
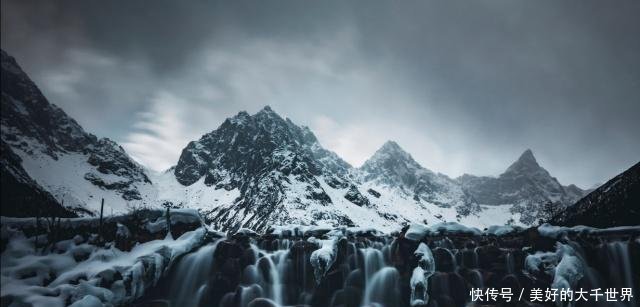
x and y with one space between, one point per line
122 231
570 269
418 231
453 228
177 216
556 232
420 277
541 262
246 232
565 266
87 301
425 258
418 284
323 258
298 231
501 230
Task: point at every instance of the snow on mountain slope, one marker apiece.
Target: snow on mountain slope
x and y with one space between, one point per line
275 165
197 196
75 167
393 167
20 195
525 185
399 187
253 171
280 174
79 184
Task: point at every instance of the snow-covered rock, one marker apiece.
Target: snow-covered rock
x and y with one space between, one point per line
501 230
557 232
417 231
323 258
419 281
83 274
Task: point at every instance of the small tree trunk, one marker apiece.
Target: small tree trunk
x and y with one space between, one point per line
100 226
37 230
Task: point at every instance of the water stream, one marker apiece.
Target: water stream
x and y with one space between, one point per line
377 271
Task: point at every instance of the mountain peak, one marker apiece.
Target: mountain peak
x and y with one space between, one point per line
391 146
391 149
527 155
267 113
267 110
390 156
526 161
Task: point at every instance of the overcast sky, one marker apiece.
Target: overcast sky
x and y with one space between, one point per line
464 86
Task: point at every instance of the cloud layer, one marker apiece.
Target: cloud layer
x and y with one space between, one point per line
463 86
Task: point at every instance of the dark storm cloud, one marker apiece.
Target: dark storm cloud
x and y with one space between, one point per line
466 85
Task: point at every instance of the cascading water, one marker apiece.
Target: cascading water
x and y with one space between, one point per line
511 266
383 289
373 261
620 268
271 267
366 270
192 273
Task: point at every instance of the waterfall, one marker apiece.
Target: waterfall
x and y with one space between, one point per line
373 261
270 273
510 263
250 293
619 269
386 271
191 277
383 289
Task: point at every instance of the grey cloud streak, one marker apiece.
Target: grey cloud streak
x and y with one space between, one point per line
464 86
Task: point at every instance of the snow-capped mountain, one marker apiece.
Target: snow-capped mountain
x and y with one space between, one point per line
615 203
394 168
524 181
525 185
257 170
52 150
277 170
252 171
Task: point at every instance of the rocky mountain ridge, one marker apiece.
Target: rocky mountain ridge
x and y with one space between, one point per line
253 171
524 181
280 172
615 203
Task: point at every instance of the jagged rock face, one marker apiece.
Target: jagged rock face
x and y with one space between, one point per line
44 136
275 165
615 203
524 182
393 167
244 146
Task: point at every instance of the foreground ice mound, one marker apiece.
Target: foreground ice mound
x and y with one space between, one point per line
420 278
